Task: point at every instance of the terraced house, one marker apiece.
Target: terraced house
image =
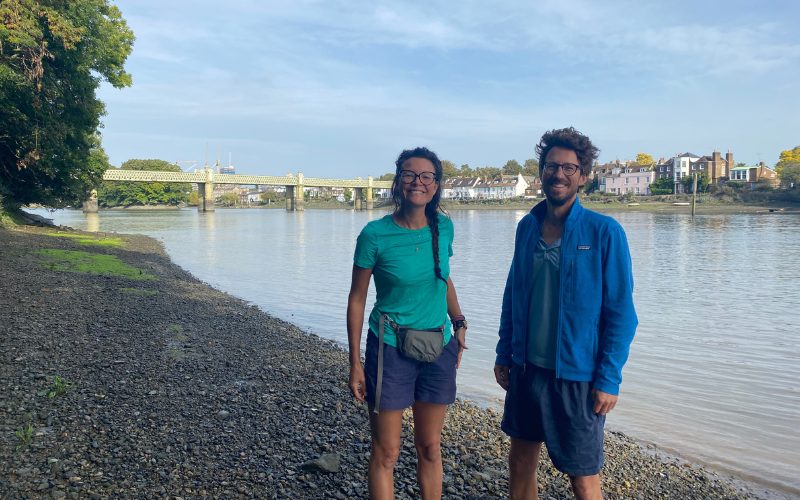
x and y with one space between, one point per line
634 179
683 165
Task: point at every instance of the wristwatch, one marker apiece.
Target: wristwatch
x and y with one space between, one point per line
459 322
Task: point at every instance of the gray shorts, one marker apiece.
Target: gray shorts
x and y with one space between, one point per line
541 408
406 380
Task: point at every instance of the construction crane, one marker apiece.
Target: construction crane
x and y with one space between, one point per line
186 165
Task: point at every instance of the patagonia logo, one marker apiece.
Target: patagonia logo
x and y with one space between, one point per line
584 247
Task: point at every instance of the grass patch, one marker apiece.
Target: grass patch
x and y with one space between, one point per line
91 263
87 239
59 387
10 217
139 291
178 331
176 353
24 436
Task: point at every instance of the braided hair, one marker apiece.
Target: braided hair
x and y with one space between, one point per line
433 207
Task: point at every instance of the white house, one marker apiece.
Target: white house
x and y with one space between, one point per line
681 167
460 188
503 187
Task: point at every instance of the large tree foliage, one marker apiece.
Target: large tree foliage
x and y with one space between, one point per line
790 174
449 169
702 183
644 160
512 167
790 156
488 172
531 167
53 56
663 185
125 194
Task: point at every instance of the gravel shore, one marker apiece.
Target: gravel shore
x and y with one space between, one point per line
155 385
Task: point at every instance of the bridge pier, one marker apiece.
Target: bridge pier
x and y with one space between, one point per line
294 196
205 197
205 191
357 202
90 206
289 195
369 198
299 194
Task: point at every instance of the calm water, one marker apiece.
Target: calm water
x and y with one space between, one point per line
714 369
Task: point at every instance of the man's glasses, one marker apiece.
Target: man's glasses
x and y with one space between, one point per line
568 168
426 178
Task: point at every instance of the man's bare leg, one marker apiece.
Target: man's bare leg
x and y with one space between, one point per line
586 487
523 462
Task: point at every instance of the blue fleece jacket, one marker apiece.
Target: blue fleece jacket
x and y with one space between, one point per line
596 316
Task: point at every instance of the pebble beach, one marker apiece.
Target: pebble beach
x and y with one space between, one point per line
121 375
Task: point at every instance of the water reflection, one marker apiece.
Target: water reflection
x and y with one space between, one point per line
93 222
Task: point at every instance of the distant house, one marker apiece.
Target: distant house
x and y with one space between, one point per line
601 169
632 179
534 189
502 187
460 188
252 197
752 176
664 169
714 167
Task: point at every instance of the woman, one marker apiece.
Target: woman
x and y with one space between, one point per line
408 253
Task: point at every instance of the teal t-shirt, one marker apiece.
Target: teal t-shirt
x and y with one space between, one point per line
406 285
543 306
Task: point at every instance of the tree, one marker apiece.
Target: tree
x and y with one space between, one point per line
387 177
466 171
114 194
512 167
488 172
269 197
790 174
644 160
790 156
229 199
688 183
53 56
531 167
449 169
663 185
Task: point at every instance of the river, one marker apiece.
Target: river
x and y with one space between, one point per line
714 370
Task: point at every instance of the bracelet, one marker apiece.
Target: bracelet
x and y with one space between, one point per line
459 317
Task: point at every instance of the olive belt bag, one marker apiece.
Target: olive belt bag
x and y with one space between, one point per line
420 345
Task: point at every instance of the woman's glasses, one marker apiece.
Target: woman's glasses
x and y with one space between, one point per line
426 178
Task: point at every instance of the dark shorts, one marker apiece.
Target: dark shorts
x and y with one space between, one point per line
406 380
559 413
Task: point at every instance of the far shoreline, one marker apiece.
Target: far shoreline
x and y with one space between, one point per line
701 208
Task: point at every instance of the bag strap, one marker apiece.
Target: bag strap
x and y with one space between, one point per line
377 407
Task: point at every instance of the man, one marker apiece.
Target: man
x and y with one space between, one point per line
566 326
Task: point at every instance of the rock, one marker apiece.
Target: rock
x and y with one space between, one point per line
327 462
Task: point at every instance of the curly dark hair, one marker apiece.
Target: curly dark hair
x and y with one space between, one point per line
568 138
433 207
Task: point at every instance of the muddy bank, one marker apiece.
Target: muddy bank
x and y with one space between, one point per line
167 387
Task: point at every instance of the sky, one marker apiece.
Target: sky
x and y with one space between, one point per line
337 88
